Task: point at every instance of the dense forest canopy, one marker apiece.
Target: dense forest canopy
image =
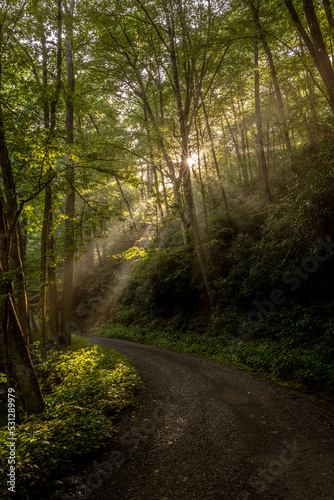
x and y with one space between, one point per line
208 123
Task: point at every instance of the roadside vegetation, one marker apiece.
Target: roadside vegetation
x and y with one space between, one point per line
86 388
163 305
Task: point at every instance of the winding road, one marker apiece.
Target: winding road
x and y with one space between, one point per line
208 431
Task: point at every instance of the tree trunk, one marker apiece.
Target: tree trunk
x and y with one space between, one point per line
98 252
43 267
17 361
156 182
261 154
330 20
69 242
52 278
164 189
225 202
16 243
127 205
47 207
274 77
20 284
316 46
211 195
52 274
241 162
188 193
21 365
205 210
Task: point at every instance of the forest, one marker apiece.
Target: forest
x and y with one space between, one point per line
166 178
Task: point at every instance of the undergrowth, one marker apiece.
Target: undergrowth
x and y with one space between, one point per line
85 390
305 365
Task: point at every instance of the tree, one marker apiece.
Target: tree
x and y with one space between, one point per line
69 242
273 72
315 45
17 361
262 158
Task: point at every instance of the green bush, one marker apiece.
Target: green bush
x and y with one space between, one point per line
85 391
162 285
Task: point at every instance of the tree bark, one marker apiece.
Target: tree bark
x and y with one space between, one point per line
52 272
43 268
315 45
20 284
17 361
47 207
261 154
127 204
52 278
241 161
16 243
21 364
156 182
164 190
69 242
329 15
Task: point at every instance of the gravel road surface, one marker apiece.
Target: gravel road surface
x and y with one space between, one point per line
208 431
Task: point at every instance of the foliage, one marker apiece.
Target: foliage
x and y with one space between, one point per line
293 342
163 284
85 392
306 365
158 84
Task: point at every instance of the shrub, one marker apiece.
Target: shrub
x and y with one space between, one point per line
85 391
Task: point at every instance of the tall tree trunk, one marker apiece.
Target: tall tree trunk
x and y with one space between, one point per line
43 268
52 278
156 183
47 207
17 361
315 45
20 284
205 210
16 243
330 20
52 273
211 195
23 305
127 205
214 156
98 252
21 366
261 154
274 77
155 175
241 162
243 147
248 156
188 193
162 175
185 170
69 242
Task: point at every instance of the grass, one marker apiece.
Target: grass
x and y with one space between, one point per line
85 389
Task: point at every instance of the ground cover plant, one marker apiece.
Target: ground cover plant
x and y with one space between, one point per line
307 368
86 388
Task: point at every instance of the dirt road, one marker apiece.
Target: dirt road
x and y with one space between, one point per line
209 431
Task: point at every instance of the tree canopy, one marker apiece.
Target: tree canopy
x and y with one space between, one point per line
121 116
